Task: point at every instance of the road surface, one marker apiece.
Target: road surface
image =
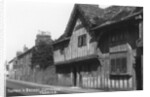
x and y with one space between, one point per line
19 89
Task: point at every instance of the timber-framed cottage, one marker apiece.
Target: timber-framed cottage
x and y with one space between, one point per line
101 48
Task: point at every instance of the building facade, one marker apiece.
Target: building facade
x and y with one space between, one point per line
20 66
99 48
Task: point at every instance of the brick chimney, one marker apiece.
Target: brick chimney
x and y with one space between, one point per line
43 37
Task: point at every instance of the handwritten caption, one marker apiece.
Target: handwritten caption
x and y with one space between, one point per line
36 90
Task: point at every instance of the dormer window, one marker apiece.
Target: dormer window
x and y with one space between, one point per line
82 41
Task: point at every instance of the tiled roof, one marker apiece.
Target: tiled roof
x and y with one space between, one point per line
96 16
20 56
116 13
28 51
89 12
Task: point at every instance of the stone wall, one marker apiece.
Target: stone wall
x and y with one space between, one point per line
47 76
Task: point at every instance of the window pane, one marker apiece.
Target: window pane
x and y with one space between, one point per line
84 40
118 65
113 66
79 41
124 65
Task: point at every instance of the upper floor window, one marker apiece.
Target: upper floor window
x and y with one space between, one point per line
82 41
117 37
62 50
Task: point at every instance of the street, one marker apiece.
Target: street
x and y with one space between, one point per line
22 88
19 89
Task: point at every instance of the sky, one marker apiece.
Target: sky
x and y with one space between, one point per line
24 18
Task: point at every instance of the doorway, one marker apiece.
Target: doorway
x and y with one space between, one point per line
74 76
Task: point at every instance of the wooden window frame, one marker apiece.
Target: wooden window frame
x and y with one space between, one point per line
115 60
62 50
82 40
118 37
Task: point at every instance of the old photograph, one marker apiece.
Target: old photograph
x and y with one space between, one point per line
66 48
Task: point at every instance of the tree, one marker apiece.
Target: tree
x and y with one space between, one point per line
42 55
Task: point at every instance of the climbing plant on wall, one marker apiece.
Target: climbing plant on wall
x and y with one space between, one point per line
42 55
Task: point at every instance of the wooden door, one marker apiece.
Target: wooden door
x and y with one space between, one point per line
74 76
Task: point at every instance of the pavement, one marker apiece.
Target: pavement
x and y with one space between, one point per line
20 88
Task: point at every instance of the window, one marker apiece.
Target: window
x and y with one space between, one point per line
118 64
62 50
82 40
118 37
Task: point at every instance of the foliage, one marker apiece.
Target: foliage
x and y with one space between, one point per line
42 56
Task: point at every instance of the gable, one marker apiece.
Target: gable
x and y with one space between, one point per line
86 13
65 38
79 44
78 25
77 21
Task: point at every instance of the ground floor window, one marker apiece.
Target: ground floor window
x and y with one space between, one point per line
118 63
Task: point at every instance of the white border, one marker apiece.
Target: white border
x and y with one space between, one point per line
146 66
